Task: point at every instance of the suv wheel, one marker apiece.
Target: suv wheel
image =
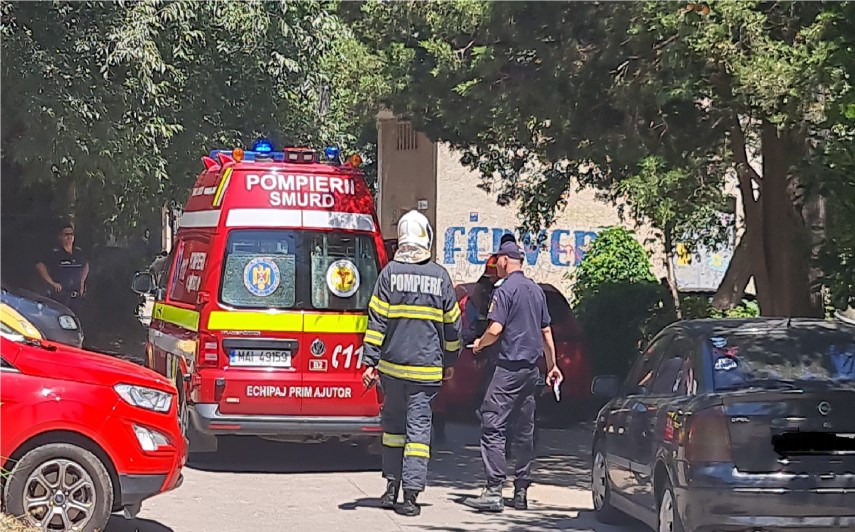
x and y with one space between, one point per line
669 517
601 491
60 486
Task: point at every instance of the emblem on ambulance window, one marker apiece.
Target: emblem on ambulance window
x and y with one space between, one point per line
343 278
261 276
318 348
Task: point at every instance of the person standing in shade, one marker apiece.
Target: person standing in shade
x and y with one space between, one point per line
65 269
519 322
412 341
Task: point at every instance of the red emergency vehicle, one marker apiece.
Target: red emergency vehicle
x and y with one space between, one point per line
261 316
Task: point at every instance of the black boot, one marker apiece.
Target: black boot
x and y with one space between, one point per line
520 500
489 501
409 507
390 497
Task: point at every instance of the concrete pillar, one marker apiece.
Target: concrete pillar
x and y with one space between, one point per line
406 173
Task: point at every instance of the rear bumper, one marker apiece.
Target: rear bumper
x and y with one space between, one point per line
207 419
137 488
765 502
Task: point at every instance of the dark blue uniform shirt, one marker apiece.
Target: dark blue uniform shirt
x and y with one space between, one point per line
519 304
66 268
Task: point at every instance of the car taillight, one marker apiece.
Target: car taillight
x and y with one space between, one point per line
708 437
208 353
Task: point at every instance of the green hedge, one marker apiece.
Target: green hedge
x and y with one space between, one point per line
621 306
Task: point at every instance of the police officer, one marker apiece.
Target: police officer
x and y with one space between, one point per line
520 323
65 269
412 340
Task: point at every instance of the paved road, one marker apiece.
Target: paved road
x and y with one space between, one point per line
255 485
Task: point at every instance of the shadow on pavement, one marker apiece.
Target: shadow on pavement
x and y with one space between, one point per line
533 520
372 502
562 460
118 523
239 454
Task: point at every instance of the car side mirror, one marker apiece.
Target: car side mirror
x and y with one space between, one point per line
605 386
143 283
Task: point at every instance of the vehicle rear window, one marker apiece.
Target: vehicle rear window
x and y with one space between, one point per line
299 270
743 359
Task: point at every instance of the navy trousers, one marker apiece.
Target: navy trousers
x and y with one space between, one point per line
509 401
406 419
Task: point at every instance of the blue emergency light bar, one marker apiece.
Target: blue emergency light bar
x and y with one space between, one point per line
250 156
262 146
262 150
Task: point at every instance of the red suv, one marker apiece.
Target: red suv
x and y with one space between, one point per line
83 435
464 391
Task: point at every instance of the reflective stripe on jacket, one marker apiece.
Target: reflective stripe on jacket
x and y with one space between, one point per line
414 322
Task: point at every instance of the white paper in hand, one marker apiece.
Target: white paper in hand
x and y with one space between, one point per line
556 390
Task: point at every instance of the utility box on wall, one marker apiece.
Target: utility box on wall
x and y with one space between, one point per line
406 168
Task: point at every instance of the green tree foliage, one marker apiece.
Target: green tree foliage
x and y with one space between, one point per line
834 171
617 300
615 257
114 102
540 95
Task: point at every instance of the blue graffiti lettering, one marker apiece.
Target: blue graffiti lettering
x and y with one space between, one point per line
557 252
583 244
450 245
472 248
565 247
531 246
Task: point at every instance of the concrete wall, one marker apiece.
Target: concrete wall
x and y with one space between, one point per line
406 170
470 224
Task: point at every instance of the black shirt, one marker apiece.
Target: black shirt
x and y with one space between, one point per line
519 304
65 268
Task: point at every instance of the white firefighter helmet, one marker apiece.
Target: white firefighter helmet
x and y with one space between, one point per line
414 228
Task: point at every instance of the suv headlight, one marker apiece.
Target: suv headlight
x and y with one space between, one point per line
143 397
67 322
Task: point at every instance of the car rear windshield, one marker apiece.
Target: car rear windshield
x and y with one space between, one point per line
298 270
778 358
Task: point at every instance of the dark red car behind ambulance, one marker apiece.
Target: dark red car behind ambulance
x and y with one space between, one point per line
261 316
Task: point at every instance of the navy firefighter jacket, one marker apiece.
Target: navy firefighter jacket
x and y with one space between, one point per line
414 323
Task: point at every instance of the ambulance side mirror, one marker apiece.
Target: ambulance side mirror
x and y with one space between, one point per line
143 283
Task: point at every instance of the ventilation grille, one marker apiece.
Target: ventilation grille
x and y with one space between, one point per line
406 137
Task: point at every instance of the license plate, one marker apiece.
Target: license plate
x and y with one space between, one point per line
260 357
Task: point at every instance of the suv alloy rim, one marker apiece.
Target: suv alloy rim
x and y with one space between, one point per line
59 495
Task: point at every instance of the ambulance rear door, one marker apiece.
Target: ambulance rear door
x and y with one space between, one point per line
343 269
258 322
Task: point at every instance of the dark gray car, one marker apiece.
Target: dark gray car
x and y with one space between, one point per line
732 425
54 320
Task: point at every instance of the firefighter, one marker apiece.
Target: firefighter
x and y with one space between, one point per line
412 342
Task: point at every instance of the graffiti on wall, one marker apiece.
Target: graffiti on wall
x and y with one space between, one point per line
559 248
703 270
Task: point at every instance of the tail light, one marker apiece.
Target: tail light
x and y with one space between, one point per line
208 351
708 437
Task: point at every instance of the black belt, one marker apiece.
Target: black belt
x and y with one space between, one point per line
515 365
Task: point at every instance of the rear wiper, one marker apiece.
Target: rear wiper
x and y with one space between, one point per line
766 384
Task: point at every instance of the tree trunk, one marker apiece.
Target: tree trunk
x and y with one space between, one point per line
777 241
732 288
779 247
671 276
785 242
